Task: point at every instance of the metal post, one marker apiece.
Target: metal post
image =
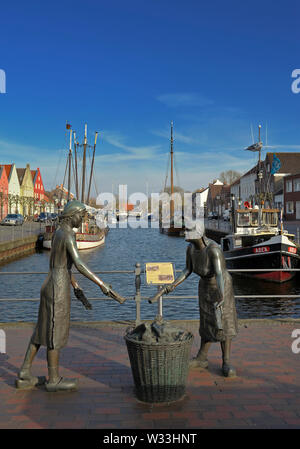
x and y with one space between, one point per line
138 293
298 236
159 304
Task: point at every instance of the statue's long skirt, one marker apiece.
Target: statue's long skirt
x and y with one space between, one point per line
52 328
208 295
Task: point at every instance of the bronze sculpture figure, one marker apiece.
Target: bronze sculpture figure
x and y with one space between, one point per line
218 318
52 328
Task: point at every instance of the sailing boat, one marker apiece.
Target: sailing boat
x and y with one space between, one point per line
258 240
90 235
174 224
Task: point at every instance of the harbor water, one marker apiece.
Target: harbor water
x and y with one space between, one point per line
122 250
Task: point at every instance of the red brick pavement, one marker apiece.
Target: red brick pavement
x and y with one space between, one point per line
265 394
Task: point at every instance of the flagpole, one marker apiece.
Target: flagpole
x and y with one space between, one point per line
69 174
259 177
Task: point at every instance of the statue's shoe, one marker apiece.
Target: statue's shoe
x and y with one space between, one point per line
26 380
228 370
62 385
198 363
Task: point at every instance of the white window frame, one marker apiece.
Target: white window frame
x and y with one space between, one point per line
289 210
296 185
289 186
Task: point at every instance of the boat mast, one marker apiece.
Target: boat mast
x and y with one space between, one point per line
92 168
259 177
172 181
76 169
84 163
70 161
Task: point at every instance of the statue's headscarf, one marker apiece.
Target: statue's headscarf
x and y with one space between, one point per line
72 208
195 229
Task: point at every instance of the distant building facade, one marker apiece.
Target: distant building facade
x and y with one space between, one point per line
292 197
38 192
214 196
13 188
3 192
26 190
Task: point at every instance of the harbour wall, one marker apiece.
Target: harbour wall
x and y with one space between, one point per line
215 234
17 248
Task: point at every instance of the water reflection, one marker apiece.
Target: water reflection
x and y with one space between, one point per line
123 248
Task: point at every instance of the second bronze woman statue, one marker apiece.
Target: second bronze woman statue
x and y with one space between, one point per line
52 328
218 318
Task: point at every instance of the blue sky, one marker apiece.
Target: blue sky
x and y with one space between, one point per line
129 68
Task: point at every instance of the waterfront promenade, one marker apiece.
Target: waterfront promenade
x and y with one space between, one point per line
11 233
265 393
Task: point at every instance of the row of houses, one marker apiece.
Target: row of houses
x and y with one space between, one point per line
278 188
22 191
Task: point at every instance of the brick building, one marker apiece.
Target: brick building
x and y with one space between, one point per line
38 191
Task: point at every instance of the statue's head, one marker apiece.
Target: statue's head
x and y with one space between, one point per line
194 230
73 213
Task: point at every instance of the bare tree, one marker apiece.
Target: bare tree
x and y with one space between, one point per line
229 176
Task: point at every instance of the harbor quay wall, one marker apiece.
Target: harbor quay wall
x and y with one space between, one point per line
215 234
17 248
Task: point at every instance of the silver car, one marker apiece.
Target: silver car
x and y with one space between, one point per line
13 220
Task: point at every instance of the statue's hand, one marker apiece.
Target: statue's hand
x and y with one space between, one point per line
108 291
169 288
114 295
105 288
163 291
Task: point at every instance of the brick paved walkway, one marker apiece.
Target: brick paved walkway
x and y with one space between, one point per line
266 393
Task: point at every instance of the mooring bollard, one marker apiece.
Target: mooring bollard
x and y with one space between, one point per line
138 293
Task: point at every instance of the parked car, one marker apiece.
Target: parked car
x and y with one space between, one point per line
212 216
44 216
13 220
226 215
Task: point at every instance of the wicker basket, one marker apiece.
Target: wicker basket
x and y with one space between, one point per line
159 370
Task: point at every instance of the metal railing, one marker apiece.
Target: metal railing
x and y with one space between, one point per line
138 271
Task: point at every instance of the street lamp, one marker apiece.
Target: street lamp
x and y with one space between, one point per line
232 196
218 209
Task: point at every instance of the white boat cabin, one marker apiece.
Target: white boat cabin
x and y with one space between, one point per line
247 220
250 230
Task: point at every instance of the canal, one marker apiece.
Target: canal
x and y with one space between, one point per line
123 248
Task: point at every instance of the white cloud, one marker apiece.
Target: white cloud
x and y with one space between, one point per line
283 147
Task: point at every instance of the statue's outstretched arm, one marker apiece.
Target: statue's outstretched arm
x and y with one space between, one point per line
84 269
180 278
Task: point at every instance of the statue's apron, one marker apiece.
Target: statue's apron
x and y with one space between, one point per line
52 328
209 294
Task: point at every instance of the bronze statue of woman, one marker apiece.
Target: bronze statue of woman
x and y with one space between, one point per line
52 328
218 318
